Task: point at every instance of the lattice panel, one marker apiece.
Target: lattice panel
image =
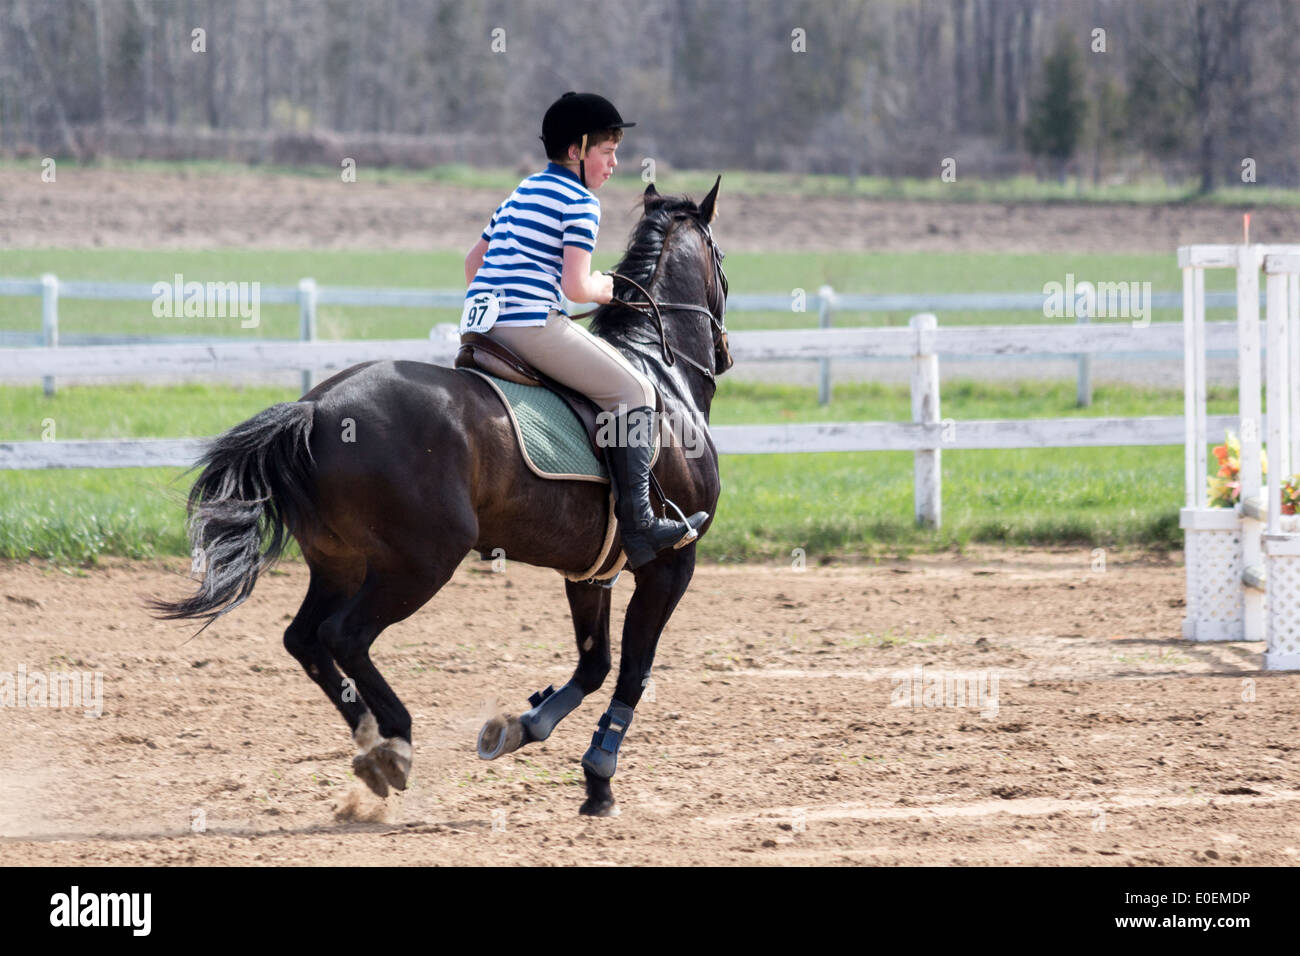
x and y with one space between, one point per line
1214 590
1283 604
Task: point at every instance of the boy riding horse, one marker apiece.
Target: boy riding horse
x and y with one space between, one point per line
538 243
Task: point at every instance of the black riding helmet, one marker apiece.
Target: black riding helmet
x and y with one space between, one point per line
572 118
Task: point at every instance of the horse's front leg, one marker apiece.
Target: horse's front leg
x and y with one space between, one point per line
589 605
659 586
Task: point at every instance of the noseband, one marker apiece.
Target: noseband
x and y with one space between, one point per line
717 315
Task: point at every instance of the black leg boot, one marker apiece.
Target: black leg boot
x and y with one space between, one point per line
644 533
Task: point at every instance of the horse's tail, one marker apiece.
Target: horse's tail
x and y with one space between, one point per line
255 485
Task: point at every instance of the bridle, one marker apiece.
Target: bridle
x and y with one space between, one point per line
717 313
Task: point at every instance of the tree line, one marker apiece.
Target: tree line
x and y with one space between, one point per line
1202 90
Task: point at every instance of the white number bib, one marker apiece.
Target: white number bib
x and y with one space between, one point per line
480 313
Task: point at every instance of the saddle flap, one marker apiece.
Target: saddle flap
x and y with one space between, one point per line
480 352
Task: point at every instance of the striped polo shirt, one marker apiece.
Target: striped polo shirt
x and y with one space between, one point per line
526 239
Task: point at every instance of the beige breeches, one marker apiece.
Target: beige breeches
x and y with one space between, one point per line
571 355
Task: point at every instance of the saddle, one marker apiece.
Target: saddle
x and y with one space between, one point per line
488 355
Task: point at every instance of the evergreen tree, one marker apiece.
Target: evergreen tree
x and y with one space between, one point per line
1057 115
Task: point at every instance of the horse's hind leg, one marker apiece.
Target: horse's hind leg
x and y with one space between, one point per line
332 582
385 597
589 605
659 586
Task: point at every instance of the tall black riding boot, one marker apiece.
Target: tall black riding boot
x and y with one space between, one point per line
644 533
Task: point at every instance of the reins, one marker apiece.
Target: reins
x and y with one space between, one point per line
670 357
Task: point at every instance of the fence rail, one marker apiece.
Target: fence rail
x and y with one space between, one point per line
739 302
730 440
825 302
260 355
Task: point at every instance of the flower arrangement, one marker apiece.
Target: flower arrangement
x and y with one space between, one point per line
1225 487
1291 495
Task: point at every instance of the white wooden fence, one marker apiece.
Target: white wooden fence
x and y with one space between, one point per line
923 342
308 297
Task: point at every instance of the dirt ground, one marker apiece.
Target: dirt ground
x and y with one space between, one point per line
96 207
775 735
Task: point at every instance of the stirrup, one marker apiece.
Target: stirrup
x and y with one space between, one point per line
690 535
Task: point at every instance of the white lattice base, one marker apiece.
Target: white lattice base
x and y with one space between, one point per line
1282 553
1212 553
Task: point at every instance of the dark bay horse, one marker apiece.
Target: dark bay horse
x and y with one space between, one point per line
389 473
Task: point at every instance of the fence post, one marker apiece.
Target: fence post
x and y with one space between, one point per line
1293 363
927 490
307 322
1251 411
1277 393
1083 315
49 320
824 295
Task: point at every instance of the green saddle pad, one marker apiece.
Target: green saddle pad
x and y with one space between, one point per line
552 438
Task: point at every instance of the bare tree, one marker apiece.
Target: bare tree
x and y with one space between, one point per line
20 17
883 87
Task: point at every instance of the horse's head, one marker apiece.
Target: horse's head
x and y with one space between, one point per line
708 257
673 261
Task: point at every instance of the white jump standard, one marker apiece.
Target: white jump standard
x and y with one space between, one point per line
1243 581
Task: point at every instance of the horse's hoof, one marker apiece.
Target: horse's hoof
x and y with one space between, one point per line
600 798
598 807
367 770
502 734
393 758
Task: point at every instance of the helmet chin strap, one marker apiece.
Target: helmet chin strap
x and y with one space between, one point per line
582 161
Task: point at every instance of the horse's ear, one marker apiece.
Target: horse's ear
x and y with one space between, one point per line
649 197
709 208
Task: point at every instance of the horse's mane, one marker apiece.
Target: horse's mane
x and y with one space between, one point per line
640 261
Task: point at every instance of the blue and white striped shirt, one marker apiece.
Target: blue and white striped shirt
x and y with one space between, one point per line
526 239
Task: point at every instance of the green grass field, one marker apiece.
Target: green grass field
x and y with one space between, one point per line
773 273
830 505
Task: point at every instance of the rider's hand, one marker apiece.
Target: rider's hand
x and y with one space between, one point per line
603 287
